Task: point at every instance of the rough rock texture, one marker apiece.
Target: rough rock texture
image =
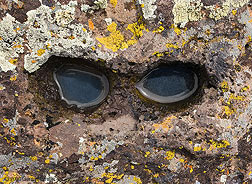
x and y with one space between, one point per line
127 139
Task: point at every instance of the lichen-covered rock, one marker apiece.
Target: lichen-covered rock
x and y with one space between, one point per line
127 138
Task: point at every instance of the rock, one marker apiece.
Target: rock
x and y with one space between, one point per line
126 138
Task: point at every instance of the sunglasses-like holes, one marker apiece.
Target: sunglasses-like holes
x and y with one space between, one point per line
168 84
82 86
172 87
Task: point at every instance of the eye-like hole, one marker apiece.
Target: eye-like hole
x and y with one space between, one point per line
168 84
81 86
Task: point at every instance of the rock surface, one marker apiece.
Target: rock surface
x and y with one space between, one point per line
126 139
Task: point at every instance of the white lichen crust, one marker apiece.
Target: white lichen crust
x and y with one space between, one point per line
148 8
10 43
48 36
191 10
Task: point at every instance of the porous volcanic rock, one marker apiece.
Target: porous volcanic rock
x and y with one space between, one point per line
127 139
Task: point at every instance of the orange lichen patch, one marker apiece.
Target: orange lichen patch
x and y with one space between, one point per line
41 52
13 61
17 46
165 125
113 2
71 37
34 61
92 143
170 155
90 24
17 29
1 38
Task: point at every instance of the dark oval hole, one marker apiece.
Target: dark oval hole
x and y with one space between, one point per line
81 86
168 83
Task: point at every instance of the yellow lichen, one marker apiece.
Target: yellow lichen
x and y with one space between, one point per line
13 61
137 180
13 78
17 46
228 111
165 125
234 12
41 52
111 176
197 148
246 88
170 45
233 97
158 54
34 158
147 154
47 161
9 177
116 41
160 29
136 29
170 155
176 29
13 131
220 144
113 2
224 86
